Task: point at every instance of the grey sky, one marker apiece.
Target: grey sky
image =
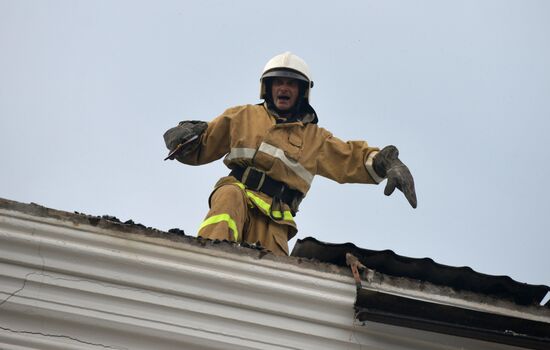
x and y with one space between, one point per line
87 88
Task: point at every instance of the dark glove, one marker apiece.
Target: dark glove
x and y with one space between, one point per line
183 132
387 164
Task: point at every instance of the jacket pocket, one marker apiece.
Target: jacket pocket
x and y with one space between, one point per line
293 149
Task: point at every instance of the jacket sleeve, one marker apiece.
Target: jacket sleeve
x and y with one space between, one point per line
347 162
214 143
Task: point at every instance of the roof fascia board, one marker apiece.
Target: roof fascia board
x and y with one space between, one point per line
427 292
414 313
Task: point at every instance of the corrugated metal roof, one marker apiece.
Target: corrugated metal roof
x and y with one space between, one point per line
385 261
424 269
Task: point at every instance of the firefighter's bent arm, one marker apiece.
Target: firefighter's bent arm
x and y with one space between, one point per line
212 144
186 134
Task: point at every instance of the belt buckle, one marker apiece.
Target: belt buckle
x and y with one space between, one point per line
246 175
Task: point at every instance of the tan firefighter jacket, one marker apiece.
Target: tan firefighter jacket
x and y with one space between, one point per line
292 153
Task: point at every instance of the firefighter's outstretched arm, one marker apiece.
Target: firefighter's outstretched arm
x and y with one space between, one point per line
387 164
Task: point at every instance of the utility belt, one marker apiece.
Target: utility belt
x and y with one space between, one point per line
257 180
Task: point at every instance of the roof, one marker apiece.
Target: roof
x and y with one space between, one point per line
64 274
329 256
424 269
397 290
422 294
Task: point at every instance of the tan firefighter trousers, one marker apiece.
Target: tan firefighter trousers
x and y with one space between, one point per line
232 217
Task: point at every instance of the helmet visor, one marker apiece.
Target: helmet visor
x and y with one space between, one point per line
285 73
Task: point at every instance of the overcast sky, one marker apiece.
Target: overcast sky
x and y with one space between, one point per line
462 88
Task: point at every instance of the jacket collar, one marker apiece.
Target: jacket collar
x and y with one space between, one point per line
307 114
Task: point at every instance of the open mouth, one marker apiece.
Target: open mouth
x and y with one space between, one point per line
283 98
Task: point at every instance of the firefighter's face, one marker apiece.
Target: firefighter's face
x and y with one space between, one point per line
284 92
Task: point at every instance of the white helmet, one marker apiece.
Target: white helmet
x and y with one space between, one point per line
286 65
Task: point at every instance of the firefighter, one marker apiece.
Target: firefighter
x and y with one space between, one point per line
274 149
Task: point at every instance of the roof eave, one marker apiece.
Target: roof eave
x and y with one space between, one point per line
397 310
